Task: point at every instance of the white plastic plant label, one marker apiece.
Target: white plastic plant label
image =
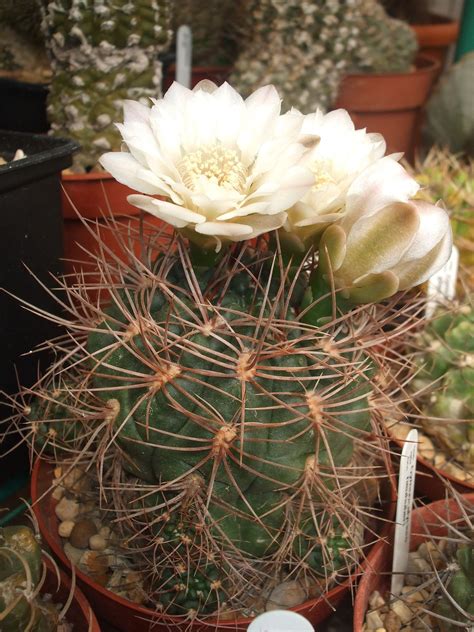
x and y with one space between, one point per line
184 49
442 285
280 621
406 488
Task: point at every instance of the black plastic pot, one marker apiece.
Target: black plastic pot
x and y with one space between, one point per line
23 106
30 237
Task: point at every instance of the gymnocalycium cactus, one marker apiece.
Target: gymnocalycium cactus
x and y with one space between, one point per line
102 53
460 589
306 47
20 574
447 360
223 397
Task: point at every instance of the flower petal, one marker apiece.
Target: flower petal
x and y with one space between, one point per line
175 215
434 224
224 229
416 271
127 170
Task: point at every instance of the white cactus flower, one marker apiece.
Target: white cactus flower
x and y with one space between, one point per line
382 244
341 155
228 168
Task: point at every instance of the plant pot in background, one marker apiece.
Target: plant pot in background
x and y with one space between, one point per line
218 74
23 105
436 515
127 616
79 613
100 198
435 37
390 104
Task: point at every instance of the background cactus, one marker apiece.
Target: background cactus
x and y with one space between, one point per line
305 48
20 574
102 54
447 407
460 586
232 437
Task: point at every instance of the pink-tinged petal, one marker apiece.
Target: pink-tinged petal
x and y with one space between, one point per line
177 216
434 225
416 271
374 288
206 85
377 243
264 223
224 229
126 170
379 185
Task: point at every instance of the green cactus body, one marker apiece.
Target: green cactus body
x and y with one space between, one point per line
449 359
460 587
20 573
101 55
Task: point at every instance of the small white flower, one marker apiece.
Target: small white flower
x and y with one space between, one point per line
228 168
341 155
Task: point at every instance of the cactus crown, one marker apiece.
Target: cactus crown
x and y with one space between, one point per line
232 437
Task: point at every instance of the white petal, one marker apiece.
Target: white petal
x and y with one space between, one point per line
416 271
434 225
224 229
297 181
379 185
135 112
171 213
128 171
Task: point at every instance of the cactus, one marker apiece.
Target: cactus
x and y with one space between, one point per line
20 575
448 358
240 433
101 54
449 115
460 589
450 178
305 48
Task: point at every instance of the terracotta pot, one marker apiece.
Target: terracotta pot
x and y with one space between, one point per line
127 616
218 74
390 104
435 37
430 481
98 197
79 612
375 578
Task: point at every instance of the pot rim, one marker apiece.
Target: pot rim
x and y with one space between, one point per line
175 620
424 65
89 177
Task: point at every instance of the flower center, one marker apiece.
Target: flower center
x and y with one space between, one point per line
220 165
322 174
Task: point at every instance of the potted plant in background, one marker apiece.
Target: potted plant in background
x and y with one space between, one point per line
434 33
94 70
217 32
219 413
438 591
34 594
24 68
355 57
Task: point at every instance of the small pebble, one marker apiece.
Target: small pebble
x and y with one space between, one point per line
94 564
58 492
392 622
76 481
402 611
374 620
426 448
376 600
97 542
431 553
65 528
286 595
81 533
67 509
73 554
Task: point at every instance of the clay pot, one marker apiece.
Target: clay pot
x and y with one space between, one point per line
390 104
431 481
102 201
433 516
79 612
126 616
218 74
436 36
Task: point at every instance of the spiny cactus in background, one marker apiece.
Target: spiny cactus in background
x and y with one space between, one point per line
234 436
306 47
460 589
102 53
22 51
20 575
447 407
449 111
450 178
217 27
